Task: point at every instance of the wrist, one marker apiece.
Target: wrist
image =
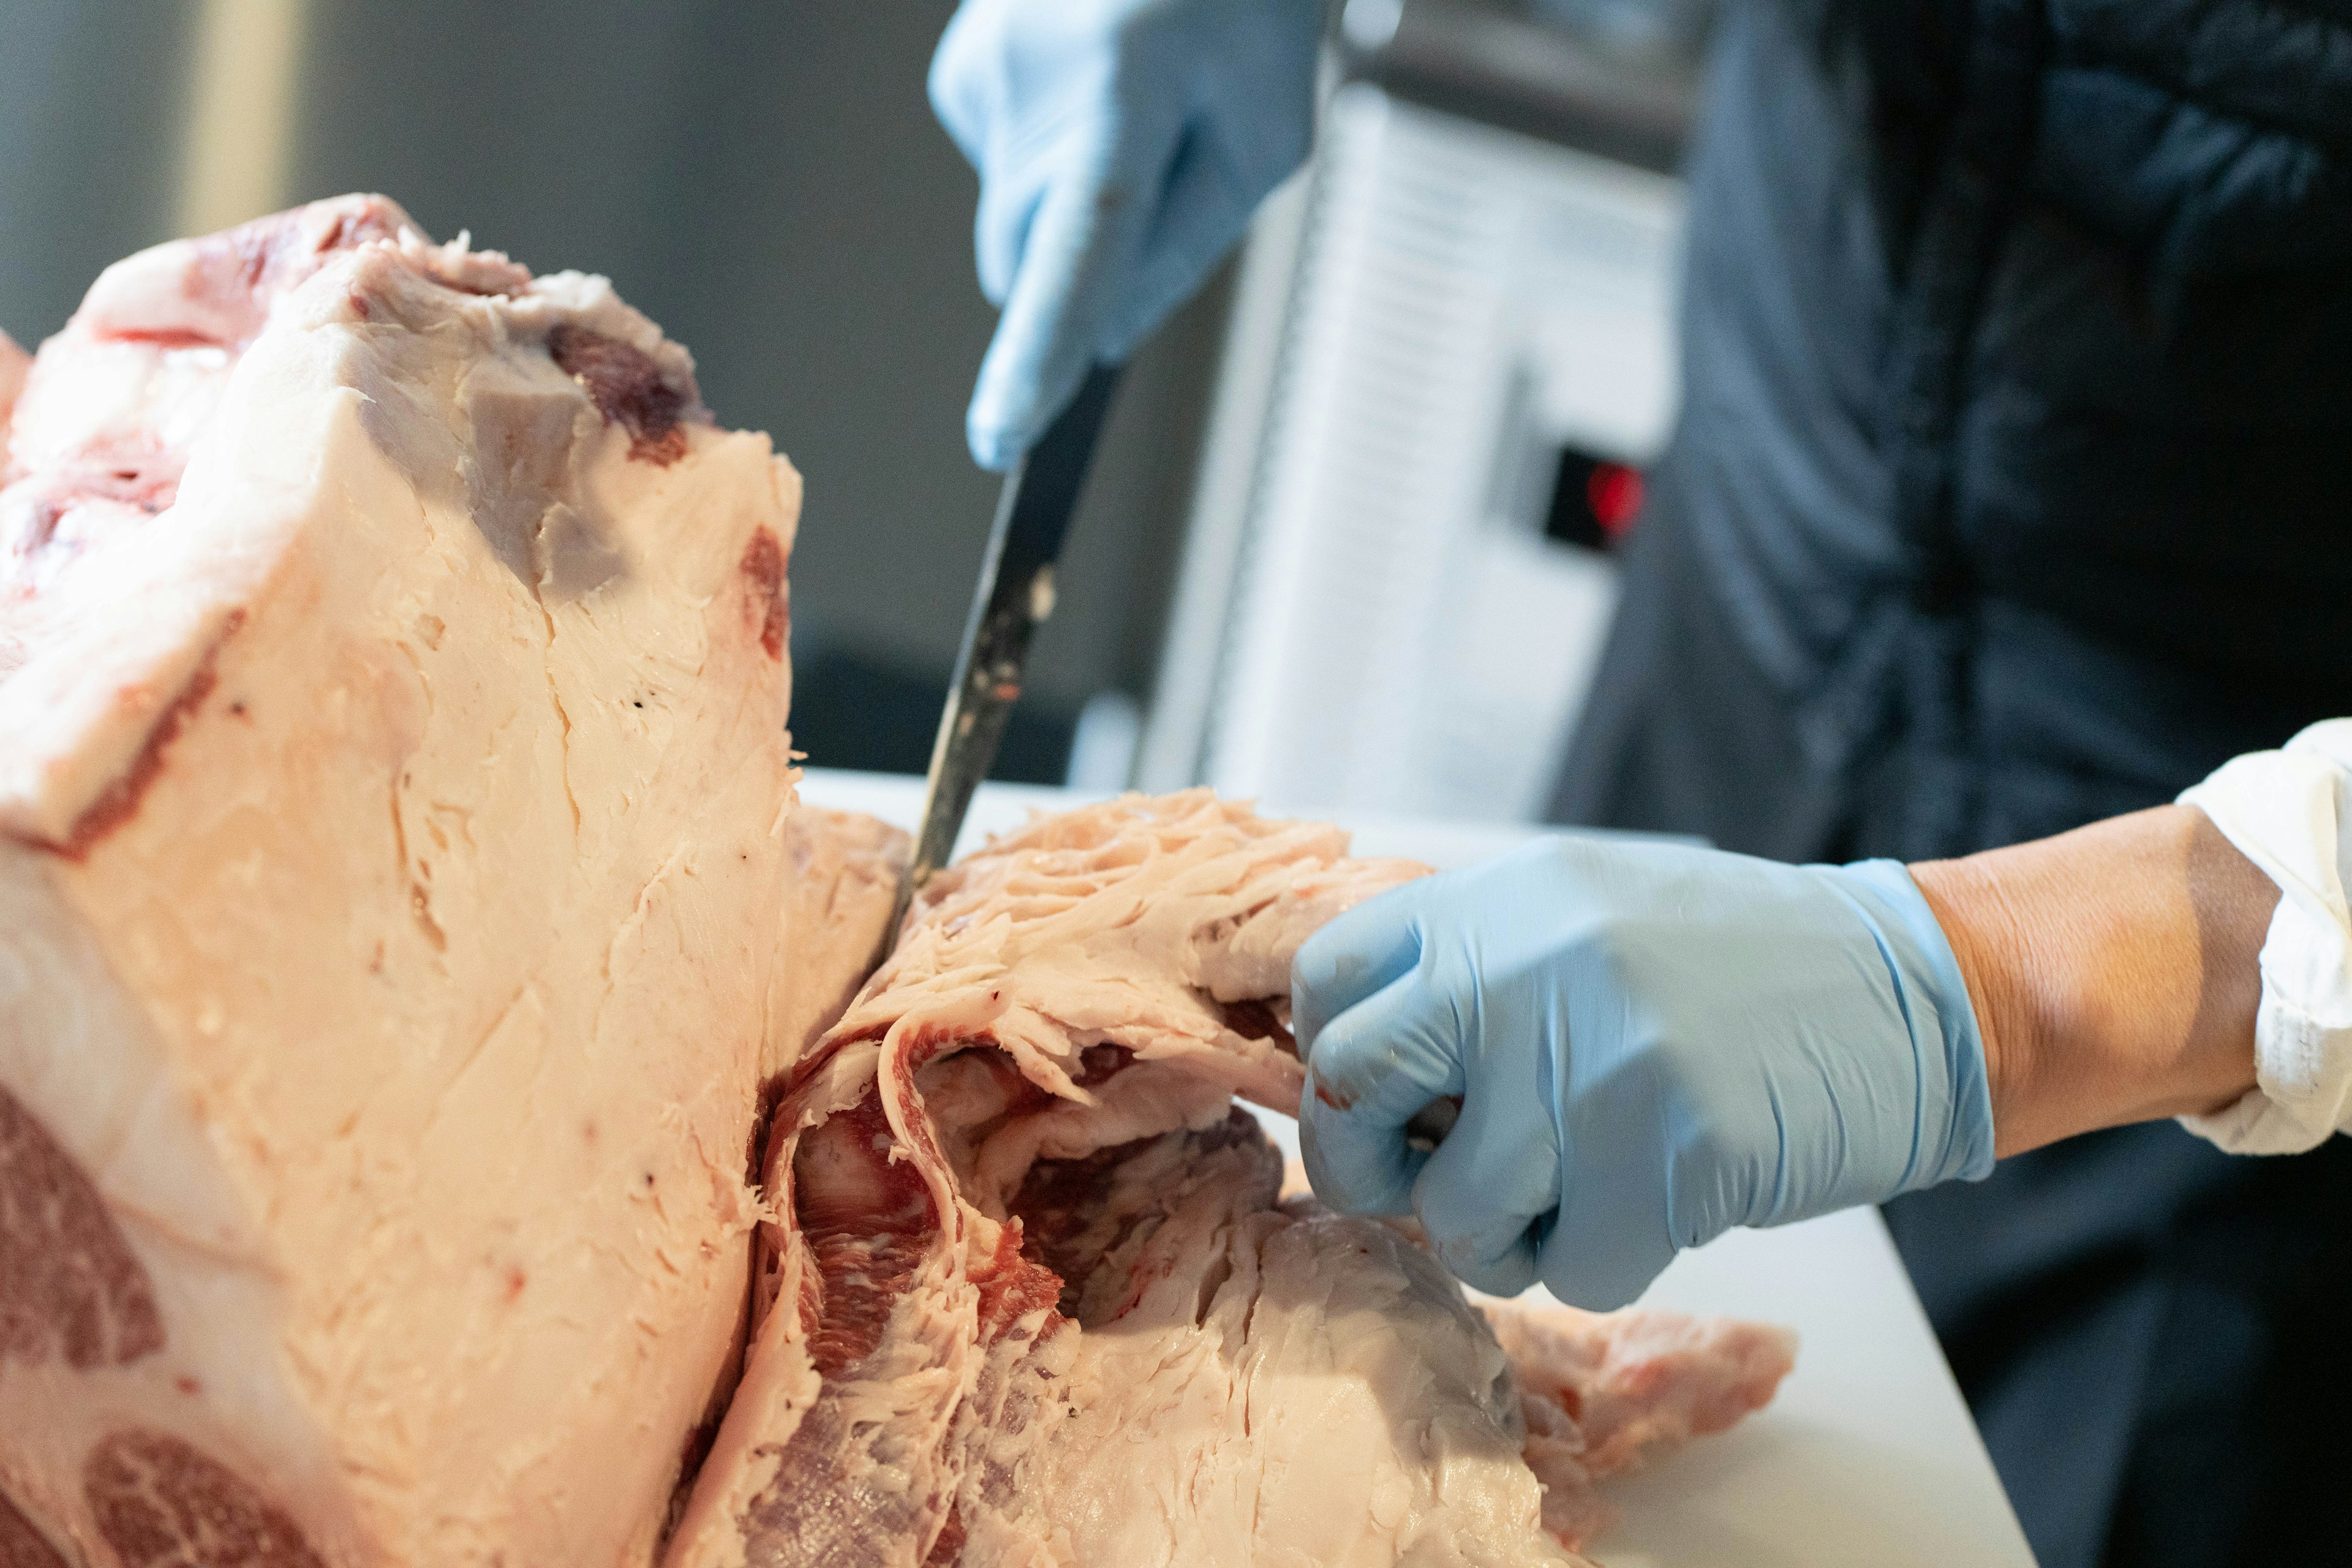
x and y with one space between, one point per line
2113 971
1977 919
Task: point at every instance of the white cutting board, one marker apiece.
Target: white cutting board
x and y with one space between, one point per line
1866 1459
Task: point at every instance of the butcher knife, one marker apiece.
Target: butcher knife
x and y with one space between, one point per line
1015 594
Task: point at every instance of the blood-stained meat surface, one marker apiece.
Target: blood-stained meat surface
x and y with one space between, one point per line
763 567
630 388
160 1503
70 1287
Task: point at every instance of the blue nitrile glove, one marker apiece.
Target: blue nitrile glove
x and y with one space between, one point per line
1122 146
1651 1044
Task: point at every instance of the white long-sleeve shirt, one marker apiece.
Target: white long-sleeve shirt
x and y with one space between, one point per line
2290 811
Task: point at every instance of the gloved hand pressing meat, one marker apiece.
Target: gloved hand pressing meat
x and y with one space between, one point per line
1651 1044
1122 146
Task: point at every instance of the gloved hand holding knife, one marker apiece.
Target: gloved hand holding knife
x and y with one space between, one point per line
1122 147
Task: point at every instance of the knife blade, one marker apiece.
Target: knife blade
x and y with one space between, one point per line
1013 598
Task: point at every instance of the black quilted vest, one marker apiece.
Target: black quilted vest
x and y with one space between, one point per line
2017 439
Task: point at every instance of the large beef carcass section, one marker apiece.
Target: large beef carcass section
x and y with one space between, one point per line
1030 1294
394 796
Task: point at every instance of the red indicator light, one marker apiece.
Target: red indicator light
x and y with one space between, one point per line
1614 493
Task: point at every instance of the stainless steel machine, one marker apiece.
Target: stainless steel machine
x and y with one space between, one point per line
1452 352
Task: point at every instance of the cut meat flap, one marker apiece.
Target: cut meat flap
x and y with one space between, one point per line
1030 1294
393 788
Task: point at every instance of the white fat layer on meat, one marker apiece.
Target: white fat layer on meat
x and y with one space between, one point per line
841 874
392 833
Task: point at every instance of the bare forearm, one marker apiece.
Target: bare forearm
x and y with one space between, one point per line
2113 971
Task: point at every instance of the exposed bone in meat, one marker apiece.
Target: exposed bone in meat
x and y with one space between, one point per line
1031 1296
393 788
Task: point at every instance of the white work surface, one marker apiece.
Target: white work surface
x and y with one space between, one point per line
1866 1459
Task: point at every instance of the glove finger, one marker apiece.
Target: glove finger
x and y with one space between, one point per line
963 82
1044 343
1206 209
1361 953
1488 1195
980 90
1601 1270
1000 233
1612 1235
1373 1067
1077 259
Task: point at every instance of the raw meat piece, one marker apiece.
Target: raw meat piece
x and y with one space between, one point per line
1029 1295
842 872
392 795
1607 1392
1295 1387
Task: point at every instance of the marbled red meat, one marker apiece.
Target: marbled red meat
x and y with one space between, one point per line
162 1504
21 1546
71 1288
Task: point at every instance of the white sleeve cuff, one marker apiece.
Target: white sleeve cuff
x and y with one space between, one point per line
2286 812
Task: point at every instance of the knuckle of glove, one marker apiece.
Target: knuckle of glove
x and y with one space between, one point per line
1351 1172
1505 1275
1346 1069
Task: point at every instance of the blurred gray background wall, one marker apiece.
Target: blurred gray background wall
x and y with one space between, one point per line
766 180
